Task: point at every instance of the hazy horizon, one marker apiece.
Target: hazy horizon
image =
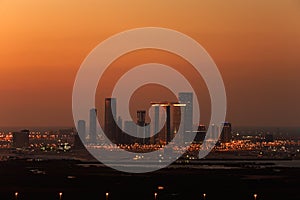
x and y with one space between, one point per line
255 45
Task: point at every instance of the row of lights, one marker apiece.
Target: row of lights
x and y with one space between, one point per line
60 195
107 195
17 194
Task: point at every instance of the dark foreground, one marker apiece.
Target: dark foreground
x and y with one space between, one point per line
44 180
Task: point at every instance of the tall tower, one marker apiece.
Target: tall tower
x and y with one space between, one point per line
141 122
93 125
129 127
143 127
214 132
177 124
164 135
201 133
155 128
110 126
141 115
168 123
81 128
187 99
119 130
226 133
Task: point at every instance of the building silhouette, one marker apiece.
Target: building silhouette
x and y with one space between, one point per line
177 120
81 128
93 126
174 115
143 129
120 123
226 134
141 122
129 127
155 133
214 133
77 143
20 139
110 125
200 134
187 99
163 136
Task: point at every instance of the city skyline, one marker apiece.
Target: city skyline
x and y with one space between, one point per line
167 119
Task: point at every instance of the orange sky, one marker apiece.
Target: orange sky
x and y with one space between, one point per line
255 44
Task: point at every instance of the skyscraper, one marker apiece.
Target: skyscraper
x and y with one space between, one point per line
143 127
81 128
141 122
174 113
141 117
200 135
119 130
155 129
164 135
168 124
187 99
214 132
120 123
177 124
226 133
110 126
93 126
129 127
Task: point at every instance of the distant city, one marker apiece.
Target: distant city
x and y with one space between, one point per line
231 143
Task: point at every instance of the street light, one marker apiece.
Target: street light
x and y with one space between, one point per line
106 195
16 195
60 195
255 196
155 196
204 195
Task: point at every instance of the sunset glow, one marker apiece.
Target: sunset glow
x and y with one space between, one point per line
255 44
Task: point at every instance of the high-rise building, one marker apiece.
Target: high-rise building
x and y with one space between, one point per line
174 113
156 119
141 117
129 127
77 142
120 123
81 128
143 129
226 134
177 120
155 129
141 122
20 139
168 123
187 99
93 126
110 126
200 134
164 135
215 132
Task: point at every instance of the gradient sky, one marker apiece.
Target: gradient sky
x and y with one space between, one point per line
255 44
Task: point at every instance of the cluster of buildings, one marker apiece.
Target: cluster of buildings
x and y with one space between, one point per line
168 119
62 139
177 118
